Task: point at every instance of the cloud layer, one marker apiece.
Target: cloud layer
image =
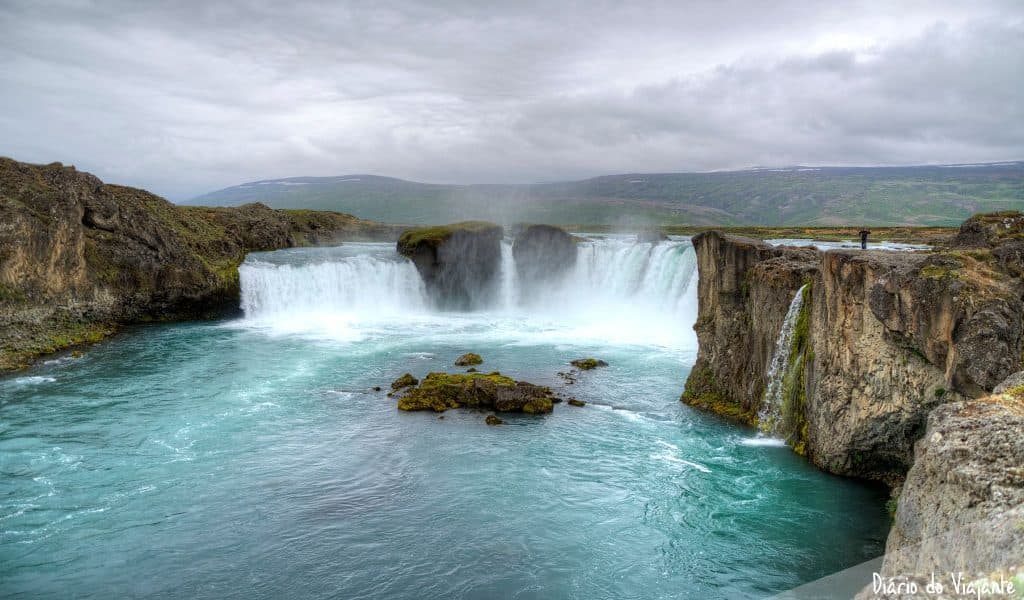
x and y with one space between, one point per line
186 97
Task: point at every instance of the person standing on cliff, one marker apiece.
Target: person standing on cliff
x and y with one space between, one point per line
864 233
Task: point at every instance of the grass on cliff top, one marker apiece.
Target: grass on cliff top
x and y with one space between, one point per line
908 235
440 233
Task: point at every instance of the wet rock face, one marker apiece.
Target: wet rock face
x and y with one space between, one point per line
459 263
442 391
542 253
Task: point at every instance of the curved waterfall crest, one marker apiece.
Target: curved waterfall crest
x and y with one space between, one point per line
371 279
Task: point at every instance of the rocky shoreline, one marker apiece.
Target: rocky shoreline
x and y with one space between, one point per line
80 258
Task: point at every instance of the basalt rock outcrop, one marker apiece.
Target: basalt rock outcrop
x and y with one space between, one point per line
78 257
442 391
962 505
883 338
460 264
543 253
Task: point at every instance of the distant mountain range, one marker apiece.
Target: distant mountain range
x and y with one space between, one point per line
873 196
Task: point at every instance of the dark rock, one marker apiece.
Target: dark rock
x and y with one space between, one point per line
575 402
376 388
404 381
543 253
467 359
442 391
651 236
459 263
493 420
471 370
587 364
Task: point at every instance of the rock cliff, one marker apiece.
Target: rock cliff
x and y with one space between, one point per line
883 338
459 263
543 253
78 257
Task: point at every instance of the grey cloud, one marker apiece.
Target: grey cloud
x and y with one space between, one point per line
182 98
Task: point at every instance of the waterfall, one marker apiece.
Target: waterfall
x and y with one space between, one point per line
770 413
361 281
618 289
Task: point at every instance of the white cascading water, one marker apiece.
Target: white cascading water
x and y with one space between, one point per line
618 290
770 413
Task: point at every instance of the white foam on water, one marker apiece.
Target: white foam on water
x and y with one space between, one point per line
762 441
31 380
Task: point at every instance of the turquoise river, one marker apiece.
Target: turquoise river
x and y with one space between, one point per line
251 457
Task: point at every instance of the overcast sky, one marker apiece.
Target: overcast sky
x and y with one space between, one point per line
184 97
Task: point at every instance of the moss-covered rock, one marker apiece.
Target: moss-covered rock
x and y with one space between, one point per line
575 402
494 391
404 381
587 364
467 359
79 257
459 263
493 420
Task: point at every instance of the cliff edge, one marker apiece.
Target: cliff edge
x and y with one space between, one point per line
79 258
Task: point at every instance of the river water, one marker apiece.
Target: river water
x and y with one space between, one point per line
252 458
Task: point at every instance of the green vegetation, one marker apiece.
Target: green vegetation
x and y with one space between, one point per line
440 233
702 391
794 392
873 196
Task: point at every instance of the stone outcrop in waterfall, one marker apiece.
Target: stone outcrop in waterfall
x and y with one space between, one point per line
459 263
79 257
542 253
887 336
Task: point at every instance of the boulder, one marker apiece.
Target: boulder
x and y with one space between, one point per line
460 264
493 420
543 253
404 381
575 402
587 364
467 359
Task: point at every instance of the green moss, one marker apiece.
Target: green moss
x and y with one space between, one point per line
404 381
467 359
440 233
940 272
891 505
940 392
587 364
1017 391
442 391
794 390
703 391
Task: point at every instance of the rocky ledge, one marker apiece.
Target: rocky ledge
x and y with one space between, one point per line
882 338
79 258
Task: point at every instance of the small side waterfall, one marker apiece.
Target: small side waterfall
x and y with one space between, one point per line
770 415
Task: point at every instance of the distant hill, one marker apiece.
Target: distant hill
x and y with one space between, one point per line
874 196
